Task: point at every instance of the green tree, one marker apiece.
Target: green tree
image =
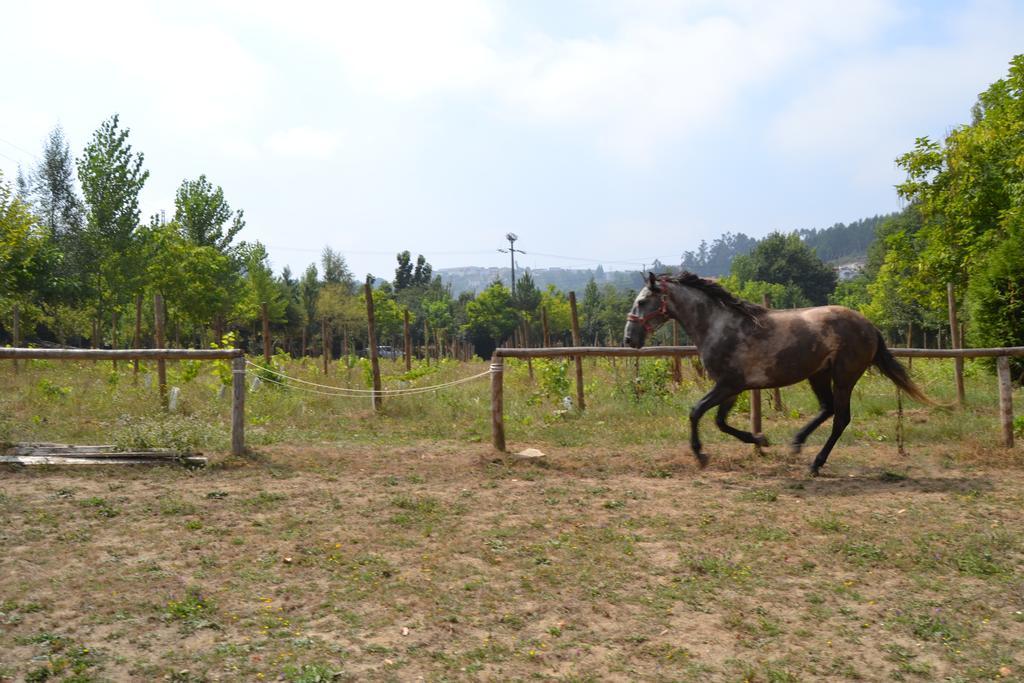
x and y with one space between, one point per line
336 270
203 215
786 260
490 318
26 255
112 177
970 192
197 282
403 273
52 187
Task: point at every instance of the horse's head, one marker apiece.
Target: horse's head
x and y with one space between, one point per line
649 312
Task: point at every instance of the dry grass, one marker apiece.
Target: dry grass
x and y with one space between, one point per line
393 548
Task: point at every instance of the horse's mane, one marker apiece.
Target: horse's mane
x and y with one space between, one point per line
717 293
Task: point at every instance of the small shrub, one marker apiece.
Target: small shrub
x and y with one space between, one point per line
553 377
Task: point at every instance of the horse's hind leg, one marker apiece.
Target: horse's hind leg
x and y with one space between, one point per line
746 437
841 404
821 383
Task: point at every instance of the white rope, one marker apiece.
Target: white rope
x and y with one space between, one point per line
360 393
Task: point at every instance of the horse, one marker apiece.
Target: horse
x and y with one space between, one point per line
746 346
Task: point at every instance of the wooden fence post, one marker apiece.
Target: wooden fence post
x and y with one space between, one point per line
544 323
1005 399
16 334
266 333
755 413
956 342
776 392
677 359
497 403
113 334
426 341
325 343
238 405
580 405
372 334
407 349
137 339
161 364
526 343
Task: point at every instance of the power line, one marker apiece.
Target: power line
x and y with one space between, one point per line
19 148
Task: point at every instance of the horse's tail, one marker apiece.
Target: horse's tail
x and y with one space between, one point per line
894 370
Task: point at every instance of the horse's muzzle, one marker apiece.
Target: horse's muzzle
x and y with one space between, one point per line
633 336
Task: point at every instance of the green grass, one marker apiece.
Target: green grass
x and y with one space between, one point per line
91 403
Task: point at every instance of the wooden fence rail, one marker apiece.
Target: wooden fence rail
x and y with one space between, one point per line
236 356
498 366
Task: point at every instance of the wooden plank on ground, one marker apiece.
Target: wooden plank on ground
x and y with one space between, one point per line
189 461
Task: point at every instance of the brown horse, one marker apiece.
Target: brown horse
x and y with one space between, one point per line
746 346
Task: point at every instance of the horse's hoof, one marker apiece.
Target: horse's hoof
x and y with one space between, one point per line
813 472
702 460
761 440
795 448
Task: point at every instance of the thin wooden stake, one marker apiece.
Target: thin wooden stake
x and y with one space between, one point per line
776 392
17 334
161 365
137 339
497 403
426 341
266 333
580 405
325 343
544 323
677 360
407 349
755 414
113 333
956 341
238 406
372 334
1005 399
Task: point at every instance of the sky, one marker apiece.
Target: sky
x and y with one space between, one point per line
599 131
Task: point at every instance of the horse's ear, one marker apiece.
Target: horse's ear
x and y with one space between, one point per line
652 283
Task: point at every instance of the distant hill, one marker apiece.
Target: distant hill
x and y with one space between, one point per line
841 244
476 279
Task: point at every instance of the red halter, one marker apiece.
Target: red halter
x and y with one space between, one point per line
662 312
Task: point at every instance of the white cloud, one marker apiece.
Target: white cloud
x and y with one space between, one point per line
869 108
667 75
399 49
189 71
304 143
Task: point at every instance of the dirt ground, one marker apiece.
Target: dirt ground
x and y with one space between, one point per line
438 562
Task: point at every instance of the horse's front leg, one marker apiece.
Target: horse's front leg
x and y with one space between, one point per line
746 437
720 392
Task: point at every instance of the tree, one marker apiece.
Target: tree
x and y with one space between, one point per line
336 270
112 177
403 273
527 296
259 286
202 214
490 318
970 192
590 311
786 260
52 187
197 281
423 272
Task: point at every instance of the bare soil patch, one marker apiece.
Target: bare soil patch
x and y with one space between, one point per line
434 561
